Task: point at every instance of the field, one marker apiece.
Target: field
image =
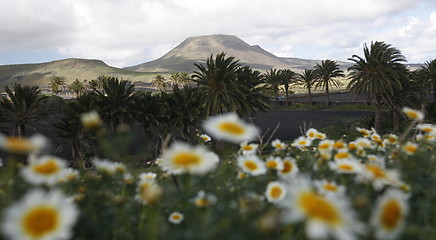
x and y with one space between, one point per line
233 185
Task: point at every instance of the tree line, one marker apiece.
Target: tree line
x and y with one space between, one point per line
222 84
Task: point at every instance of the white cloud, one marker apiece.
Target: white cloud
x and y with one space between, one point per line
130 32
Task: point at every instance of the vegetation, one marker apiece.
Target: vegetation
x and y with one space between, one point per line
23 106
378 76
326 73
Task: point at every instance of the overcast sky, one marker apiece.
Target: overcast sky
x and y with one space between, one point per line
129 32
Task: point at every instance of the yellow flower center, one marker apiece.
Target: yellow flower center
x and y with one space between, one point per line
231 128
324 146
352 146
40 221
338 145
427 129
276 192
279 146
376 171
330 187
318 207
202 202
391 215
311 134
271 164
247 148
250 165
345 167
18 145
302 142
410 148
176 217
287 167
186 159
47 168
412 115
342 155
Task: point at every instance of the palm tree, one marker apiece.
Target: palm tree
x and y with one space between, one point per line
217 81
77 87
429 72
159 82
288 77
273 80
327 71
117 102
377 76
57 84
23 106
178 79
93 85
307 78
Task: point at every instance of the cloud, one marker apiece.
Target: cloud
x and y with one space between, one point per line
130 32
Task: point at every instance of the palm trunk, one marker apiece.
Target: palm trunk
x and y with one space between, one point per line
287 94
378 117
328 94
396 120
21 127
310 96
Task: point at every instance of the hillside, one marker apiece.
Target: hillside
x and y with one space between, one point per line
198 49
40 74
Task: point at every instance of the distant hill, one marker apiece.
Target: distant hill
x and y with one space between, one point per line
40 74
198 49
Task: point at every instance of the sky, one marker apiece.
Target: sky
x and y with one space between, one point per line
129 32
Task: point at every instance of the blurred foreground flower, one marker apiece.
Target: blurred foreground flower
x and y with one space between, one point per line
91 120
325 215
413 114
275 191
388 218
176 217
182 158
40 215
251 164
20 145
230 127
47 170
204 199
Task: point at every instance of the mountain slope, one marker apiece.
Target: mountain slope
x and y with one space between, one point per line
198 49
40 74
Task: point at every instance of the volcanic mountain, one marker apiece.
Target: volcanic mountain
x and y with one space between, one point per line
198 49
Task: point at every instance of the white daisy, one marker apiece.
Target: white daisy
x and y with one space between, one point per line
230 127
275 191
204 199
248 148
388 217
410 148
20 145
251 164
278 145
343 154
311 133
365 132
329 187
108 167
40 215
325 215
91 120
275 163
413 114
290 168
183 158
148 191
148 176
176 217
346 166
379 176
426 128
205 138
302 143
47 170
326 145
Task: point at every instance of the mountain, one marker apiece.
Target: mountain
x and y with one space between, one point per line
198 49
40 74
